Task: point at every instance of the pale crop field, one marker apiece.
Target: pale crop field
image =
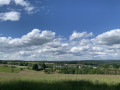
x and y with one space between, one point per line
38 80
30 75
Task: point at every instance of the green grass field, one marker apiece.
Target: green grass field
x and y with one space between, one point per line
38 80
7 68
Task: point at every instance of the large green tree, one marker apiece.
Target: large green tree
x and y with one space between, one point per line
35 67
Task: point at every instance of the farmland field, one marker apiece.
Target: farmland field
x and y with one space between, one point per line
38 80
6 68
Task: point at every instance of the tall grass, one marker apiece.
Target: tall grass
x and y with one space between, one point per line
33 80
60 85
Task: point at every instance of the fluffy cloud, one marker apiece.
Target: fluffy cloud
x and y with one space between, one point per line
33 38
103 46
25 4
45 45
22 3
108 38
34 44
79 36
4 2
13 16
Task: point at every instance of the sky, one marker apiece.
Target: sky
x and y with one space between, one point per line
59 30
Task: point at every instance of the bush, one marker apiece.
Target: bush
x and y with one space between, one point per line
35 67
49 71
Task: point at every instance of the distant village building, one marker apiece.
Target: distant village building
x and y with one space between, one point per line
71 66
57 66
80 66
94 67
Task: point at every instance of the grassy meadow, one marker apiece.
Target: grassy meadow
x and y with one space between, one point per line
22 76
38 80
9 69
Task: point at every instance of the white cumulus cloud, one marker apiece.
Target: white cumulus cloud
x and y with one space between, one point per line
12 16
108 38
45 45
4 2
25 4
79 36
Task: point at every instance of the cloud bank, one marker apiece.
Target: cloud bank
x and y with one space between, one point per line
45 45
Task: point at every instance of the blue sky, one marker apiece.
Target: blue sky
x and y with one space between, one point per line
77 27
95 16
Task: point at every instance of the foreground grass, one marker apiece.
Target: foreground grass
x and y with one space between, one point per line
60 85
33 80
29 75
